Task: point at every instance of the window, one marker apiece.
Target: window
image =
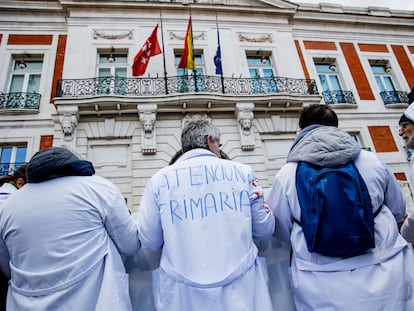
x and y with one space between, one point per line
112 73
357 138
331 86
11 158
188 80
261 73
24 84
382 74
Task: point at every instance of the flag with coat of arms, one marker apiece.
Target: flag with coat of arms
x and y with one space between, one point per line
150 48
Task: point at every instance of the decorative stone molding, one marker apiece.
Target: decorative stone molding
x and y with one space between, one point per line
191 116
111 35
68 119
201 36
244 115
147 116
251 37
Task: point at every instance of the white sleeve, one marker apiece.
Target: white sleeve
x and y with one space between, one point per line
263 221
120 225
279 203
149 220
407 229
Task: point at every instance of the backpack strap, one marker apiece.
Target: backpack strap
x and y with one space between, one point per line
376 213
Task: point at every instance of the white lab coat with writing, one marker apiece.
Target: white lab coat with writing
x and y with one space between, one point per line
381 279
64 237
204 212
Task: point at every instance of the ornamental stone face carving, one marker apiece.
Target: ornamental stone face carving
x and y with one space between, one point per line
245 116
147 116
68 124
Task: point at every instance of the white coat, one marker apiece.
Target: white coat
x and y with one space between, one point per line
381 279
407 229
64 238
5 191
204 212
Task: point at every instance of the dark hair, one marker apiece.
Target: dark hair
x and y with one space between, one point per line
318 114
12 178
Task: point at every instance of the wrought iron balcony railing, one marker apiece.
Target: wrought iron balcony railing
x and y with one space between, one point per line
338 97
9 168
183 84
19 100
394 97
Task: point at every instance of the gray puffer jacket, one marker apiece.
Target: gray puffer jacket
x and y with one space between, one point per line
324 146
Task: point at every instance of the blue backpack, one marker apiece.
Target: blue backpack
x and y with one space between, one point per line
336 210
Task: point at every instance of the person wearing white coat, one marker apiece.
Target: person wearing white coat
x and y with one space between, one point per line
406 131
61 238
8 185
380 279
204 212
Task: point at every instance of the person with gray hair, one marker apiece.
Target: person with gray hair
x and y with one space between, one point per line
204 212
406 132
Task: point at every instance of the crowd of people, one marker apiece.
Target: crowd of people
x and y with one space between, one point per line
64 230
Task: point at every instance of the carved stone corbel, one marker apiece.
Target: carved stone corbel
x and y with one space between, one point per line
147 116
245 116
68 119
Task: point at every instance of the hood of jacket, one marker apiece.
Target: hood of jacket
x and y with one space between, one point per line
56 162
324 146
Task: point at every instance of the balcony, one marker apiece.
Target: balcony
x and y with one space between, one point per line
394 97
9 168
336 97
19 102
184 84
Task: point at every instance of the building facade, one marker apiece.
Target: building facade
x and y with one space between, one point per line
66 80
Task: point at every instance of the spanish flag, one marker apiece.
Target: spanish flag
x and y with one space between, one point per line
187 59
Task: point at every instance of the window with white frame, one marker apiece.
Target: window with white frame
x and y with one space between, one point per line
112 72
357 137
330 81
261 72
24 83
382 73
25 76
188 79
11 158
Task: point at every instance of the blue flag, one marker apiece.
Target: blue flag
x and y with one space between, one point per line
217 57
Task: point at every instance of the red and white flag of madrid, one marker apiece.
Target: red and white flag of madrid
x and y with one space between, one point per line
149 49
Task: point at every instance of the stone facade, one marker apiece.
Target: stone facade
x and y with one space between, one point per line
130 127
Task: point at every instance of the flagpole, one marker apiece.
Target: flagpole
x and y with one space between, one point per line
163 55
219 46
192 54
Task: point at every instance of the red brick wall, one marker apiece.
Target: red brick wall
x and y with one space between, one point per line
319 45
302 60
373 47
59 61
382 139
46 141
357 72
400 176
30 39
405 63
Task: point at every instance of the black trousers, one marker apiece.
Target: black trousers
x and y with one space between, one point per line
4 284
